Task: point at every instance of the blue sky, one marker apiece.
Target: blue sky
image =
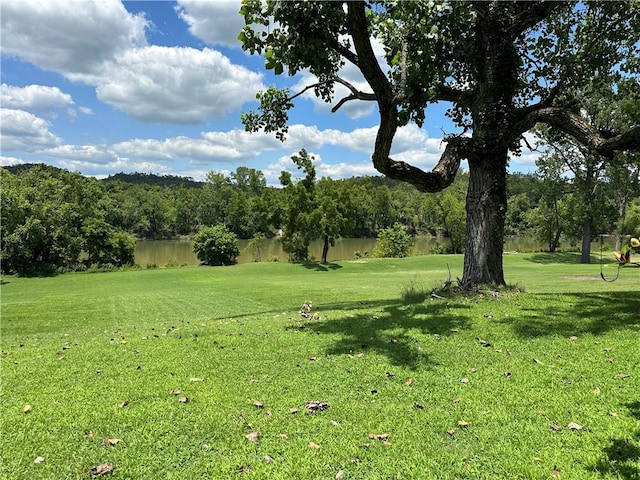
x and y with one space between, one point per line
107 86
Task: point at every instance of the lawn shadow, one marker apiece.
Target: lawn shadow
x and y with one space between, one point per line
320 267
622 455
573 313
392 328
559 257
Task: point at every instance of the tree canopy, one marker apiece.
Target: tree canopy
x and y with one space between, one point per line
504 67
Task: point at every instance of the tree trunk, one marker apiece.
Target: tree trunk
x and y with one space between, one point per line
325 248
585 257
486 212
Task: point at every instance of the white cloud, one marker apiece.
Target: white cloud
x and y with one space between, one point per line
74 38
179 85
33 98
23 131
215 23
6 161
93 154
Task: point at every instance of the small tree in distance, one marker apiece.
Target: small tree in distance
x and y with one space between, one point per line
216 246
393 242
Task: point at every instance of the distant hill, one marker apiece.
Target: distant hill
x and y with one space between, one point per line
25 167
152 179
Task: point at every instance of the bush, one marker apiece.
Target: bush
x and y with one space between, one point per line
216 246
393 242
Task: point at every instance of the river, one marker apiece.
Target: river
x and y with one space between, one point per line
178 252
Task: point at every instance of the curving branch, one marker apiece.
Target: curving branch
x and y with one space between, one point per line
604 143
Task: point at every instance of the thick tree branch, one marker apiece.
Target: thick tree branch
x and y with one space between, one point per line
532 13
604 143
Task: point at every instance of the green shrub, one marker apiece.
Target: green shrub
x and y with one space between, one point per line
216 246
393 242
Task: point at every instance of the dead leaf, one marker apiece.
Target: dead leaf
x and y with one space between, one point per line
389 374
293 410
509 352
312 359
596 390
267 459
613 414
175 392
258 404
419 406
482 342
535 360
38 460
107 442
555 427
573 338
451 432
608 360
457 400
574 426
340 474
123 404
253 436
334 423
88 433
507 374
465 380
379 436
623 375
315 406
556 472
314 446
462 423
408 382
183 399
608 349
102 469
26 409
195 379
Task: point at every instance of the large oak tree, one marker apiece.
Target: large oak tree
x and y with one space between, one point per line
504 66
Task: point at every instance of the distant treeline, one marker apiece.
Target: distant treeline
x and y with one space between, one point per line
52 217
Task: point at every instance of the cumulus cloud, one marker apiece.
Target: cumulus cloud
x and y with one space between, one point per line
215 23
179 85
34 98
7 161
23 131
74 38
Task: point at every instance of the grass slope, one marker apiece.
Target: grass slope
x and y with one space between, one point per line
473 388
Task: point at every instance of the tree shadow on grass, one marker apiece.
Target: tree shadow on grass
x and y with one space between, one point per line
392 328
622 455
321 267
573 313
559 257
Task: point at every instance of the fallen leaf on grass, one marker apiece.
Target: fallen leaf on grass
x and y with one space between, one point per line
419 406
268 459
596 390
574 426
451 432
465 380
535 360
555 427
195 379
379 436
408 382
507 374
623 375
340 474
175 392
462 423
253 436
573 338
315 406
38 460
109 442
123 404
293 410
102 469
26 409
334 423
484 343
314 446
258 404
457 400
613 414
556 472
88 433
183 399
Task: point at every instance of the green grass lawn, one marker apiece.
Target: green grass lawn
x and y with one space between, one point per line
470 387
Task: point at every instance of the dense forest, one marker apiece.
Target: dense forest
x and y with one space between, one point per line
55 220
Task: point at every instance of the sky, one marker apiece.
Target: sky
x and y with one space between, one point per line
101 87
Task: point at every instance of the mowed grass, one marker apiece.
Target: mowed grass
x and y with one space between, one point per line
472 387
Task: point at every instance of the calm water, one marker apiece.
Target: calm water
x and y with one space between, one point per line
162 252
